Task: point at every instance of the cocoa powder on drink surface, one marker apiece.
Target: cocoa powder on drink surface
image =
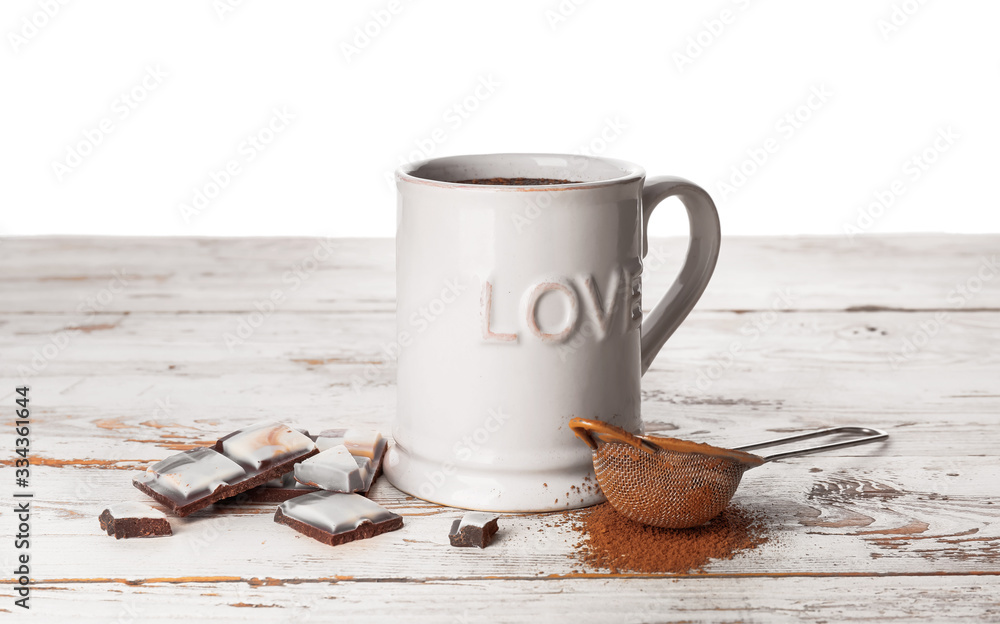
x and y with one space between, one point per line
613 542
516 181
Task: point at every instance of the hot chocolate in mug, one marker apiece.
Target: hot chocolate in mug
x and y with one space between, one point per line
518 307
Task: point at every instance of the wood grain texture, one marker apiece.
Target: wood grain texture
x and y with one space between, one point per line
715 600
357 275
827 332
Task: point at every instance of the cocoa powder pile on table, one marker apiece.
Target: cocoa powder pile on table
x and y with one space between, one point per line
612 541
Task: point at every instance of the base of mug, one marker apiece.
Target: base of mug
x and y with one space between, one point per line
523 492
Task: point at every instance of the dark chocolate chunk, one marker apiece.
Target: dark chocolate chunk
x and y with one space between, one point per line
334 518
473 529
126 520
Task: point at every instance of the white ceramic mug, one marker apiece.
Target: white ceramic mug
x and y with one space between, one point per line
518 308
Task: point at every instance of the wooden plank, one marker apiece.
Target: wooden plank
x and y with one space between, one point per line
57 274
838 515
792 600
161 382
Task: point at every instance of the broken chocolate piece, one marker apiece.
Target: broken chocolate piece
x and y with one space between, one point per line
288 481
363 441
473 529
279 490
330 438
367 443
244 459
190 480
334 518
132 519
334 470
263 444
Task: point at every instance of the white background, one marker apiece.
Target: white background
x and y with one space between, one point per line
649 77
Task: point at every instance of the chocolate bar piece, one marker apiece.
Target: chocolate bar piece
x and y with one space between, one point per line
264 444
335 470
244 459
329 438
334 518
133 519
473 529
279 490
367 443
364 442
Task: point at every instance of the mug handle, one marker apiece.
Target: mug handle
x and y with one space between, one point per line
702 253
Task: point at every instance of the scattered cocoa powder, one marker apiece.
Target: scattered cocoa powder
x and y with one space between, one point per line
613 542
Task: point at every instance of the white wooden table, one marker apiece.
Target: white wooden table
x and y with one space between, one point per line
124 344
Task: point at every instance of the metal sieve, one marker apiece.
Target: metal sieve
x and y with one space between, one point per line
677 484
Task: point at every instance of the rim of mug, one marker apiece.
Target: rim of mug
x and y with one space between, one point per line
630 172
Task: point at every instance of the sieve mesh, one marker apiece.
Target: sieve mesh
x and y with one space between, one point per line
677 484
666 488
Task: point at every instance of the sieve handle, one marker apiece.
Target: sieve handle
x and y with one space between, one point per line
866 435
